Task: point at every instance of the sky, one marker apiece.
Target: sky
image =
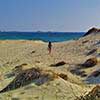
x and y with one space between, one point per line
49 15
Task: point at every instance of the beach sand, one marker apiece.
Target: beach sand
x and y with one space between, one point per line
35 54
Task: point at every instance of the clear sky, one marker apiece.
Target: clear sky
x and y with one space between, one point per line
49 15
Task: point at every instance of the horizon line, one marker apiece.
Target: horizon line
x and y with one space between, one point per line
47 31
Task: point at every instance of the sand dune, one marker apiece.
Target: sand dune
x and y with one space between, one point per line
31 54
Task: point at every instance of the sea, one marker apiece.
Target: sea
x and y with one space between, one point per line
41 36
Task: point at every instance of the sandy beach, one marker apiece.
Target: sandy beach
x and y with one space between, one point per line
34 54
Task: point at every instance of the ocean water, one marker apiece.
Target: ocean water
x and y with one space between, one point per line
43 36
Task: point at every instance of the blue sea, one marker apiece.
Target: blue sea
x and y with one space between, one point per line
44 36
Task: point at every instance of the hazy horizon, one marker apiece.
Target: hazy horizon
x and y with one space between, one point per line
45 31
49 15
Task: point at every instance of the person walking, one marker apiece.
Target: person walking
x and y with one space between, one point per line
49 47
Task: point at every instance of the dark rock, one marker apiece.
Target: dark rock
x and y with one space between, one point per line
58 64
20 66
78 72
89 63
37 61
32 52
95 73
22 79
92 30
63 76
84 75
91 51
85 41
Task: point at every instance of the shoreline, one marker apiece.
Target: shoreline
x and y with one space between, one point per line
40 41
